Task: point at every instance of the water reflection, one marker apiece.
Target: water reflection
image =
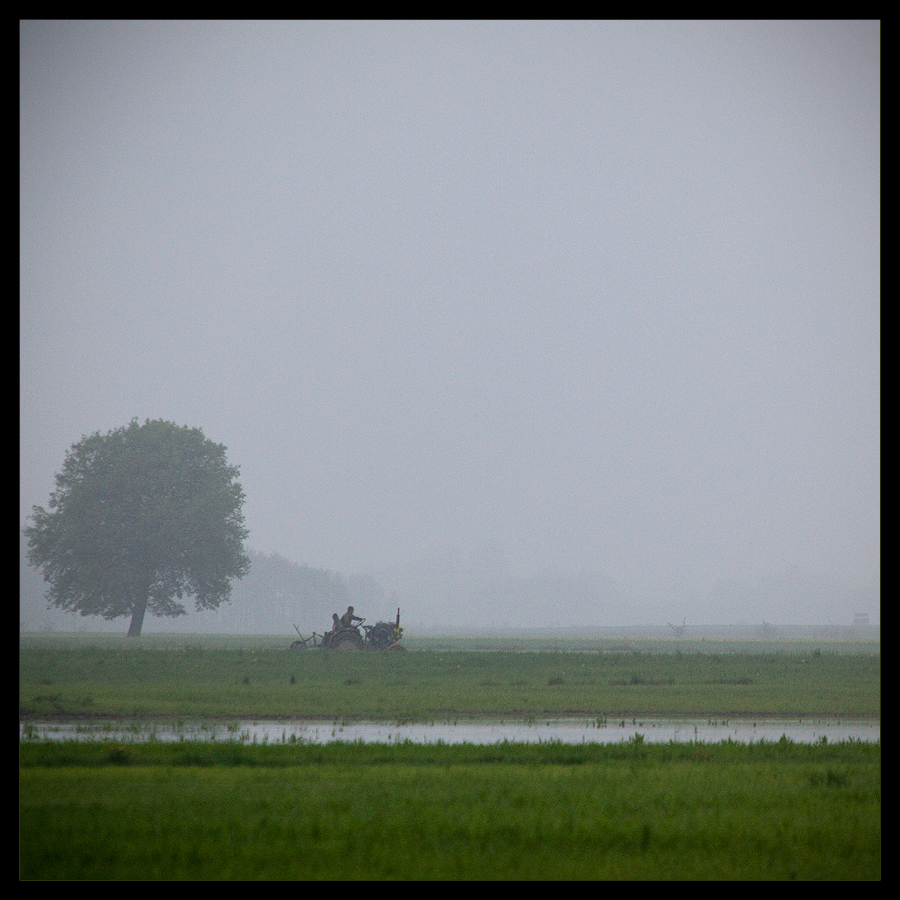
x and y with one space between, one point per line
458 731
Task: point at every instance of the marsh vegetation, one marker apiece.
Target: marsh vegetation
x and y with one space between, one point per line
633 809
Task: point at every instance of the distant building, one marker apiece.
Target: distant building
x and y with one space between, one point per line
860 619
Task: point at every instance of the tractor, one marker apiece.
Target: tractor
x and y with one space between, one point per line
380 636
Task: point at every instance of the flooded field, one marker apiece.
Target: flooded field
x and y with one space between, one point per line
460 730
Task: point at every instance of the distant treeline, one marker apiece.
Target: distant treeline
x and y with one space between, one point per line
446 592
278 594
275 595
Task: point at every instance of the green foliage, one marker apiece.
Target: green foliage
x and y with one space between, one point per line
379 812
826 757
140 517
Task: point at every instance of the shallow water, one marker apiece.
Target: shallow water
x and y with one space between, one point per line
458 731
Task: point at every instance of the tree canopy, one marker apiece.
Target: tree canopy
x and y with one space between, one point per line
140 517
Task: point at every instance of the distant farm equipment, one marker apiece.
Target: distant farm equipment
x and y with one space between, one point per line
380 636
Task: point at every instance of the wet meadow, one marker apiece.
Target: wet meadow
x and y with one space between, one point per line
353 811
182 677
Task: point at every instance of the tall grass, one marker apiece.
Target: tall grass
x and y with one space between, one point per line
370 812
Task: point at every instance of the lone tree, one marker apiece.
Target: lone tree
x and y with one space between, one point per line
140 517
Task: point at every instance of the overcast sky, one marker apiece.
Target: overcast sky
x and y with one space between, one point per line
577 296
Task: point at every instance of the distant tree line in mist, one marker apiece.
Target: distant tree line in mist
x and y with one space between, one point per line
275 595
448 590
278 593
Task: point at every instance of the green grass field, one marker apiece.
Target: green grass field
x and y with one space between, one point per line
191 680
628 811
227 810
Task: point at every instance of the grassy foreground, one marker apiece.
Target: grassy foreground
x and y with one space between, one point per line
192 680
513 811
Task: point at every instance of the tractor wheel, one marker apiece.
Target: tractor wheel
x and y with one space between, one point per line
347 642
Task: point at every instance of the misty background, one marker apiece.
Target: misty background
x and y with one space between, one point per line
510 324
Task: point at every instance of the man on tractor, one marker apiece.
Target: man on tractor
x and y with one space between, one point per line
348 618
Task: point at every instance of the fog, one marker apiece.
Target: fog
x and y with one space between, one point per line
536 323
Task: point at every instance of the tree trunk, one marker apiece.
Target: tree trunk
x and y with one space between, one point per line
137 615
